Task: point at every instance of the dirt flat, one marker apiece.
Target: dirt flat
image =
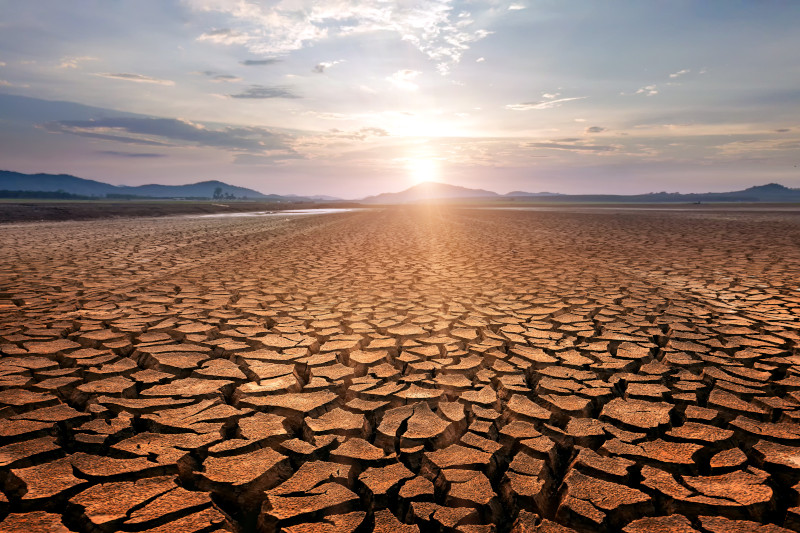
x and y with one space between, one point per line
404 369
12 211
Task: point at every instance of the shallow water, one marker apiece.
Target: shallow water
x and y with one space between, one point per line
288 212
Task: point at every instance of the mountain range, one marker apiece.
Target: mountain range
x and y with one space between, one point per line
772 192
15 181
431 190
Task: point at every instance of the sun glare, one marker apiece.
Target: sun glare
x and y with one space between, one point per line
421 170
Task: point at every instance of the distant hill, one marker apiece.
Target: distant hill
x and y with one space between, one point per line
316 197
523 193
16 181
771 192
72 185
430 190
203 189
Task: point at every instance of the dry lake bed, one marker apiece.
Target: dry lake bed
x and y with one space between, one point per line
402 370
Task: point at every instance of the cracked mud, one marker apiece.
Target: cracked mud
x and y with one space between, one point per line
411 370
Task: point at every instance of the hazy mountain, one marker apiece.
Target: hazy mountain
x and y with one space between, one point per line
203 189
772 192
429 190
316 197
523 193
16 181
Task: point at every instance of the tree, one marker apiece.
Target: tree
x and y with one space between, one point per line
217 193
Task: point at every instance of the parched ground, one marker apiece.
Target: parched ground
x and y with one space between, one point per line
420 369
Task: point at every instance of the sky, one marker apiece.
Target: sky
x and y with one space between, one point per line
353 98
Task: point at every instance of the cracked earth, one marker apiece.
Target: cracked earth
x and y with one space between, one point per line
413 370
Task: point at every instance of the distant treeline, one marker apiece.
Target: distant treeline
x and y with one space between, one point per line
53 195
62 195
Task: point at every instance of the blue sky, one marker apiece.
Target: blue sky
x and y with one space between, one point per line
351 98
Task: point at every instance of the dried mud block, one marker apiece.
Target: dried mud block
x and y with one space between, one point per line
386 522
195 388
313 504
528 522
41 483
468 488
661 524
107 505
594 503
339 523
209 519
382 484
244 477
33 522
294 407
167 506
637 415
719 524
735 494
24 453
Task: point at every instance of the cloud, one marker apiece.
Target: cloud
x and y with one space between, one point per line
755 146
138 78
434 27
649 90
680 73
170 132
224 36
402 79
516 7
319 68
571 147
2 63
220 77
72 62
261 92
135 155
268 159
360 135
260 62
545 104
480 60
594 129
783 130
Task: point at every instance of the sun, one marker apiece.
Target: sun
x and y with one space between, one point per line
422 169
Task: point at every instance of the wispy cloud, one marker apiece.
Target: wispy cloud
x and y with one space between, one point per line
319 68
138 78
74 62
134 155
544 104
402 79
679 73
571 147
516 7
215 76
647 90
260 62
434 27
266 159
261 92
224 36
170 132
594 129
